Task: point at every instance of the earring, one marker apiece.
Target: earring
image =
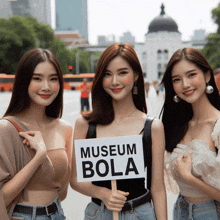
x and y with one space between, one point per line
176 98
209 89
135 89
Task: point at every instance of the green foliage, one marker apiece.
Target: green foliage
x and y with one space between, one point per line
18 35
212 48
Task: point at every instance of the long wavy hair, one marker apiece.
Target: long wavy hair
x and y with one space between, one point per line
20 100
103 112
175 116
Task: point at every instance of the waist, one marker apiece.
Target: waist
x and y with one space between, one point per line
196 200
130 204
39 210
37 197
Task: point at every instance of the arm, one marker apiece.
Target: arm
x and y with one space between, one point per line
15 185
113 201
157 185
183 167
65 180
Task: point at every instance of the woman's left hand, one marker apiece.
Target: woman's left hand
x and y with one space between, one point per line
183 166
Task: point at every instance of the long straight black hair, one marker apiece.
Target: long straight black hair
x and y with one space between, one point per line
20 100
175 116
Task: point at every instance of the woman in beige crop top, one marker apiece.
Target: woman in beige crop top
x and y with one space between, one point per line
35 162
191 120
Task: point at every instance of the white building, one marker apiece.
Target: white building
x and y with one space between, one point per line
161 41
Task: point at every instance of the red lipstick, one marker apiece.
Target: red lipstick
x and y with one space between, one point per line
117 90
45 96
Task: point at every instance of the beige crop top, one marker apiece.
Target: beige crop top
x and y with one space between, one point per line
205 163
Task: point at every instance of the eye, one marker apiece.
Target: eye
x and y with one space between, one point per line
175 80
106 74
123 72
192 74
54 79
36 78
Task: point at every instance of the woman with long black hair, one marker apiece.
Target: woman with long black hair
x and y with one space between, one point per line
191 122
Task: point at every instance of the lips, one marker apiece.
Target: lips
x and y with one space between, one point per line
189 92
45 96
117 90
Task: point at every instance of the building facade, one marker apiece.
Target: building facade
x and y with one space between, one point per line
40 9
71 15
161 41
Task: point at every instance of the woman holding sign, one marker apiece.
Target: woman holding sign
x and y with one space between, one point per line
35 150
192 129
119 109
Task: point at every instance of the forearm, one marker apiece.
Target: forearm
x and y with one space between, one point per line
204 187
88 189
160 203
13 187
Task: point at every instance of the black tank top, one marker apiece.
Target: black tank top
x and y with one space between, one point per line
135 187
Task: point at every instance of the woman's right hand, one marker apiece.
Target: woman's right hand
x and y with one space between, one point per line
114 201
35 140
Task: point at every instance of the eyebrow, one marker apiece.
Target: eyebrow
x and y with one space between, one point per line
39 74
124 68
185 72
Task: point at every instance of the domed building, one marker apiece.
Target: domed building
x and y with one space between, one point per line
161 41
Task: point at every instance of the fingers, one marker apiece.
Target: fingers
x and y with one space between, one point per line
189 157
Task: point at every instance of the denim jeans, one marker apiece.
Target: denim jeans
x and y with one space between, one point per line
84 103
58 215
142 212
184 210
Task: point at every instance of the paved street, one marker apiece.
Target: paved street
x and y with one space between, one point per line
75 203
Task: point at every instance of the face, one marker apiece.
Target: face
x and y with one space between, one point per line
189 82
44 85
119 78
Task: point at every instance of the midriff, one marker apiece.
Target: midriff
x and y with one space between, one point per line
38 198
197 200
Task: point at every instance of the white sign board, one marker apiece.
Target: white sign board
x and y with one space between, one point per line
109 158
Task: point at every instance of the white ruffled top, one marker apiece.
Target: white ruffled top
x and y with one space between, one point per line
205 163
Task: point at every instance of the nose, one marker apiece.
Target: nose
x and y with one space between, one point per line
185 83
46 86
114 80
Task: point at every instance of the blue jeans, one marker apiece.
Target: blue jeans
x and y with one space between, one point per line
184 210
58 215
84 103
96 212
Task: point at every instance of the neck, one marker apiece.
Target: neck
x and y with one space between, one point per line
202 109
123 107
35 114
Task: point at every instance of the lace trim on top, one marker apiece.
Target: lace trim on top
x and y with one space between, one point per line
205 165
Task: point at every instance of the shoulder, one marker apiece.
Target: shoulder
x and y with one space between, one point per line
6 126
157 127
81 128
62 126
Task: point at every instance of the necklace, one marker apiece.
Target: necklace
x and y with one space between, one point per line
118 122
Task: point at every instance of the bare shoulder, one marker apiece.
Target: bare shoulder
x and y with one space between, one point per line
81 128
157 126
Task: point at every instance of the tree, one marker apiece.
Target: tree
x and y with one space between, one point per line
15 39
212 48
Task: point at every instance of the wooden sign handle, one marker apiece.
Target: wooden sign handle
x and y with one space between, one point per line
114 189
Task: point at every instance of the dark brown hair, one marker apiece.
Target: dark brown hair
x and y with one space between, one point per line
20 99
177 115
102 112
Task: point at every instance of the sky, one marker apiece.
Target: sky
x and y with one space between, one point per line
107 17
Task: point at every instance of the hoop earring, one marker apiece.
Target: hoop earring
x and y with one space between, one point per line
209 89
176 99
135 88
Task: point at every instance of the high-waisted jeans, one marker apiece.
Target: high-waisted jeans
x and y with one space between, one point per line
184 210
58 215
142 212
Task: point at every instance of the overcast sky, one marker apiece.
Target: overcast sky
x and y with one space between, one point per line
106 17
